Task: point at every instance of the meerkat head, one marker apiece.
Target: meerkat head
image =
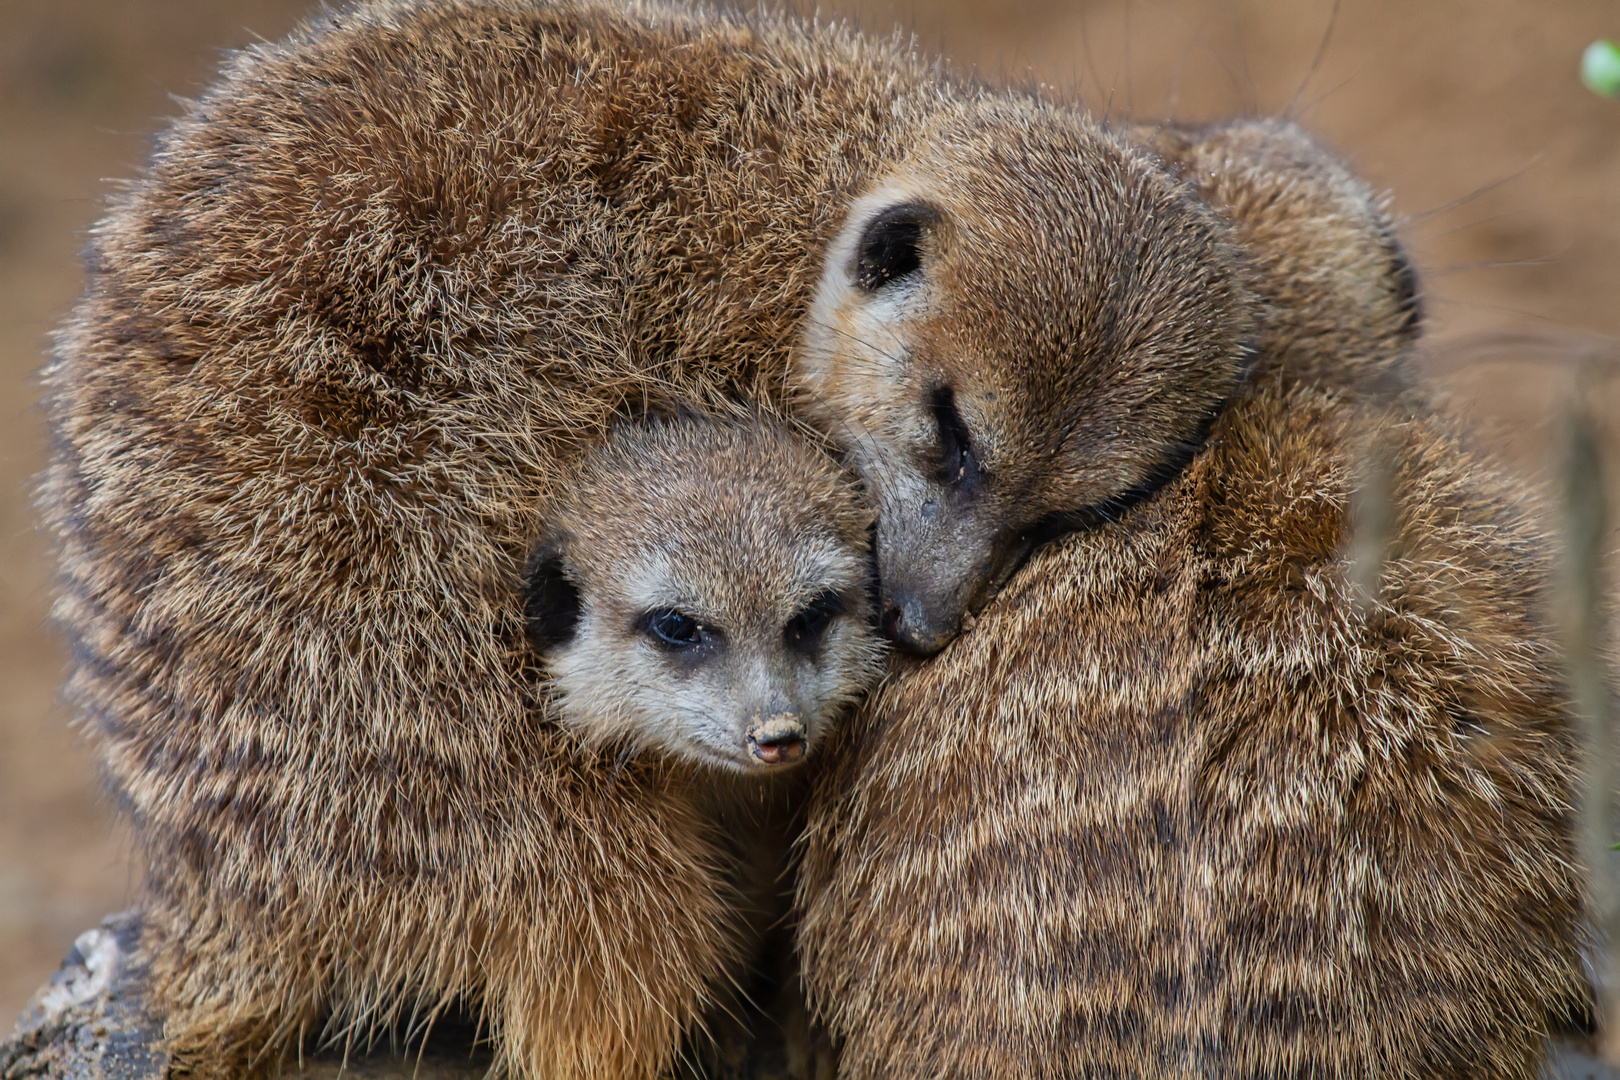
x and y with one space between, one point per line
702 589
1022 329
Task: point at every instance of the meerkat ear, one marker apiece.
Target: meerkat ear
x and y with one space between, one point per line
550 599
891 245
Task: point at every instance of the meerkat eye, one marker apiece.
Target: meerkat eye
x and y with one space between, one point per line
673 630
804 630
958 465
891 245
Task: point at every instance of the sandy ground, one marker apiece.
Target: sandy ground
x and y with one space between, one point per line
1506 172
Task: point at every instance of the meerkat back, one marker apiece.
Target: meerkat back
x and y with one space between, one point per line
1184 801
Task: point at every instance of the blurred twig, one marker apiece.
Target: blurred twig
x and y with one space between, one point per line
1585 535
1372 519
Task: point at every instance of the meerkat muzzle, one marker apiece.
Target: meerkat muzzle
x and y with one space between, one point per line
779 740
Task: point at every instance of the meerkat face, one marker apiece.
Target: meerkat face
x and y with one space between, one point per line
1020 332
703 590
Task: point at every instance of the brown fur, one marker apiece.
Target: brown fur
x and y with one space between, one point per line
339 346
742 526
342 341
1339 296
1184 802
1075 312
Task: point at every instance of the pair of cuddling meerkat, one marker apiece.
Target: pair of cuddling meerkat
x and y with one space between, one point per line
355 544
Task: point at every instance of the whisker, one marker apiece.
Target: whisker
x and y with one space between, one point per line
1463 200
1316 62
1243 58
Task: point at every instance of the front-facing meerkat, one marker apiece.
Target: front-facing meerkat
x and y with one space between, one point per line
701 595
342 346
701 592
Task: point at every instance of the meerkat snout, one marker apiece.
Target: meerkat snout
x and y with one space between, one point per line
780 739
702 591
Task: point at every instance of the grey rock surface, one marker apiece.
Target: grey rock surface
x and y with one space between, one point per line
89 1022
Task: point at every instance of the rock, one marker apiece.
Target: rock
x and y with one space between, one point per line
88 1022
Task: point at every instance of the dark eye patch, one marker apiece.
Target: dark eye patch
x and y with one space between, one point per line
958 465
803 632
891 245
674 631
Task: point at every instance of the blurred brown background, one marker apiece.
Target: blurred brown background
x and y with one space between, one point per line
1469 111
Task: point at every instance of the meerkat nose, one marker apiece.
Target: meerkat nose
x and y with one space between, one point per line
908 624
779 740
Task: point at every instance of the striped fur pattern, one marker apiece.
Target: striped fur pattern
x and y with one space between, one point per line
376 291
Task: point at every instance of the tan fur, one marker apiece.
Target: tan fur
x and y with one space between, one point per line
1339 295
342 342
339 346
342 345
1184 803
1081 314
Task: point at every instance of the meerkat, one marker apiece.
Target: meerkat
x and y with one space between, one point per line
342 347
1131 317
701 594
1189 799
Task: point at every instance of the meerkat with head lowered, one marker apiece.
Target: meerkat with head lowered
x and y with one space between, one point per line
341 348
1199 797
